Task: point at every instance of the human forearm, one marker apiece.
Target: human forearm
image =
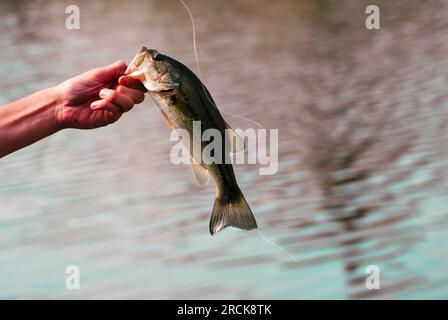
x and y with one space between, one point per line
90 100
28 120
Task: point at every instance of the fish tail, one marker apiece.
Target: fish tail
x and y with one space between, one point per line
234 212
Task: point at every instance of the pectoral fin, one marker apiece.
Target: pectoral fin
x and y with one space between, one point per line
170 123
200 173
237 142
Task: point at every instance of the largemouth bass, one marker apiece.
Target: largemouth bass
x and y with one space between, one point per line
183 99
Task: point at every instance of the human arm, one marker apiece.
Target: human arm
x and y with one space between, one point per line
93 99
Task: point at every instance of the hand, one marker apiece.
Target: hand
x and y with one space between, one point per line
93 99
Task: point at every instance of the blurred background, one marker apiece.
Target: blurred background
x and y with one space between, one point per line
363 122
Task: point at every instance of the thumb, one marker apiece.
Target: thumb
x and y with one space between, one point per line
112 71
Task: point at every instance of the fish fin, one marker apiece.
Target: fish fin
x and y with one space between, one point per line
234 213
168 120
237 142
200 173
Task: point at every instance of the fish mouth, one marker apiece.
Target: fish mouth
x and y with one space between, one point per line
137 60
164 91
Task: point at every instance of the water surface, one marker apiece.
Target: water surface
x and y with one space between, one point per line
362 118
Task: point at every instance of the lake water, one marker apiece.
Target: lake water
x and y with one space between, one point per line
363 123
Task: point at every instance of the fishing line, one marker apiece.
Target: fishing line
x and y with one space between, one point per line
276 246
194 38
199 68
234 115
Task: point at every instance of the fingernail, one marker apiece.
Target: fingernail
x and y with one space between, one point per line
124 80
103 93
95 105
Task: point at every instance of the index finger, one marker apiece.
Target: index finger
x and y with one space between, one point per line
131 83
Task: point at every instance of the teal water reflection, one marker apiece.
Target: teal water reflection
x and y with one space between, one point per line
362 118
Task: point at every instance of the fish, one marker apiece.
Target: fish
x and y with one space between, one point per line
183 99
